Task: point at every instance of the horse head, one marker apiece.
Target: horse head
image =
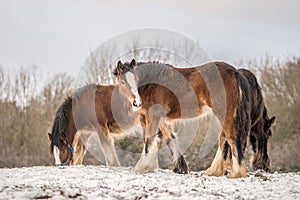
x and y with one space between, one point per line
128 83
60 149
261 159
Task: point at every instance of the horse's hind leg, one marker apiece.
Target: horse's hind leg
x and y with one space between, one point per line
237 152
227 157
108 148
180 165
238 166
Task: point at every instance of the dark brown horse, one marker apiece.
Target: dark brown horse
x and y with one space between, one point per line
233 96
260 123
96 108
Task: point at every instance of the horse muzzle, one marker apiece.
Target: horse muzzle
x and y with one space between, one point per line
136 104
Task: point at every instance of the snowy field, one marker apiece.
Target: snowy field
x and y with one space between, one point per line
97 182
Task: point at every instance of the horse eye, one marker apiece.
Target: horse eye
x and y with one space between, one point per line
123 82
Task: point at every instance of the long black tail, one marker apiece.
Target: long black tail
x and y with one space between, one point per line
243 115
60 124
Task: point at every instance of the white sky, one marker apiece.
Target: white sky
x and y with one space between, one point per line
58 35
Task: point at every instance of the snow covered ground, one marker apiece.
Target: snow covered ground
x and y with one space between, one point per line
97 182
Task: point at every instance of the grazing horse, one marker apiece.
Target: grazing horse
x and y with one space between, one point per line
216 88
260 123
104 109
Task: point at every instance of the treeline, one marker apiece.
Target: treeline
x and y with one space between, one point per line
27 109
28 106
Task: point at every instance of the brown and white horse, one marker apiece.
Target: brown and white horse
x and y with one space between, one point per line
234 98
98 108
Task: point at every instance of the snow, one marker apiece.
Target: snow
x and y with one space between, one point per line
95 182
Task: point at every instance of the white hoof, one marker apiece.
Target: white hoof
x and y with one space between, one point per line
147 163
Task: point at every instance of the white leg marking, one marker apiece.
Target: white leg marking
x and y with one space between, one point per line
216 167
148 161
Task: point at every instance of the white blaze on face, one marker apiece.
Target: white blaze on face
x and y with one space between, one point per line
133 86
56 155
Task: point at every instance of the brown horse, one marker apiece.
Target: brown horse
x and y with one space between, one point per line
233 96
98 108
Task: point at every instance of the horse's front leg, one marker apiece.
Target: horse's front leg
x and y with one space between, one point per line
108 147
180 165
79 153
149 161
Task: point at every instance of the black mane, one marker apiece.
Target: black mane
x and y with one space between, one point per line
60 122
59 129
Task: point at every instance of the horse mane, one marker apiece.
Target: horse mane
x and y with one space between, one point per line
155 69
60 121
63 113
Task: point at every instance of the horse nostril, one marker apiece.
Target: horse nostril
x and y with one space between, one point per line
134 103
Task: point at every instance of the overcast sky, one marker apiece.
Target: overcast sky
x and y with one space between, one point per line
58 35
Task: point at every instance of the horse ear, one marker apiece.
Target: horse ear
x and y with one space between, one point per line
119 70
269 123
115 72
272 120
119 65
50 136
133 63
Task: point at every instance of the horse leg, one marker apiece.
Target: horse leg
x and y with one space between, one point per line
217 166
227 155
79 154
238 165
149 161
254 158
180 165
253 142
79 150
108 148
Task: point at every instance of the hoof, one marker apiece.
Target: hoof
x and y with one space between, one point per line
210 172
207 172
236 175
141 170
146 164
181 166
242 173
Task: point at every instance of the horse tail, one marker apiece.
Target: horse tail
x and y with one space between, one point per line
243 115
60 124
